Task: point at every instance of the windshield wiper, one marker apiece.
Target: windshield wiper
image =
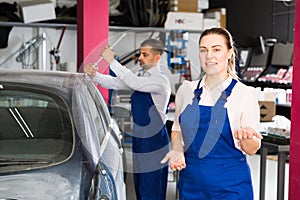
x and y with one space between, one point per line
22 161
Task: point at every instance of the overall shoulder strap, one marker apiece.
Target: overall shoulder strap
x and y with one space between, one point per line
198 91
226 93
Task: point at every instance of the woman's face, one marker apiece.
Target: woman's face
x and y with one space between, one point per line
214 54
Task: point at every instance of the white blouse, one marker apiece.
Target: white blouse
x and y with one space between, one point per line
242 105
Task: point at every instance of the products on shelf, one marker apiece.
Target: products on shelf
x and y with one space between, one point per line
177 53
252 73
283 76
277 95
287 79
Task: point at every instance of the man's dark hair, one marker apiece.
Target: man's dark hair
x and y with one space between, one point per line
156 45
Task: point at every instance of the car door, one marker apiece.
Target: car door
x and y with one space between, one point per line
92 121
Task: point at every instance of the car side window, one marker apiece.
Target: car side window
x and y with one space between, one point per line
100 108
92 123
97 119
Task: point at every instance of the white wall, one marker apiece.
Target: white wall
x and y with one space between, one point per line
20 35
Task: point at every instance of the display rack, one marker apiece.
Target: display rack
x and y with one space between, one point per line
177 48
39 25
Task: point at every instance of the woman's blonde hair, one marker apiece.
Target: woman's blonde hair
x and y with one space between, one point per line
230 45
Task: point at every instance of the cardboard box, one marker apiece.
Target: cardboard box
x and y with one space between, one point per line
217 14
188 5
36 10
267 110
184 21
210 23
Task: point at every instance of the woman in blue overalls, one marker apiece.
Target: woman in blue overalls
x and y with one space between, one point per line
215 126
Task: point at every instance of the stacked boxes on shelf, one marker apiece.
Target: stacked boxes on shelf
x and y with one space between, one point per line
194 15
188 5
214 18
36 10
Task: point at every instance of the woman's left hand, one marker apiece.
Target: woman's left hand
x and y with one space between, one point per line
249 139
246 133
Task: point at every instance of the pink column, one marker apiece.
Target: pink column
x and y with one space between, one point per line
294 177
92 30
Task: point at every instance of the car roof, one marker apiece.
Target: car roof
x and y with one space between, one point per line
40 77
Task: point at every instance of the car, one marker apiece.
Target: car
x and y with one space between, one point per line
57 138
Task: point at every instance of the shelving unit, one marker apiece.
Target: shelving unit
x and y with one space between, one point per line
145 29
39 25
74 26
281 109
177 60
268 85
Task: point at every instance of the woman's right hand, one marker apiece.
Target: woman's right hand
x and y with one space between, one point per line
176 159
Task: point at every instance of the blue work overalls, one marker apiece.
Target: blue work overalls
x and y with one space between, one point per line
149 145
215 169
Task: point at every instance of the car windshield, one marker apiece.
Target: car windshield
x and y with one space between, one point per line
35 128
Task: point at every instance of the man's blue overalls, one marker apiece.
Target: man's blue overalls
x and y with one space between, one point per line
149 145
215 169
